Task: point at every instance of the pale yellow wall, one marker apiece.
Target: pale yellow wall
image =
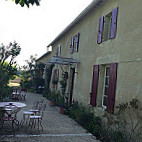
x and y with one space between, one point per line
45 59
125 49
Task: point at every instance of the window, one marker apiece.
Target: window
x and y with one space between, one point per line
74 43
108 83
58 50
106 86
107 26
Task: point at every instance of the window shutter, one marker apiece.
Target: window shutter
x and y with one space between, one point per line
112 87
77 42
94 85
100 30
59 50
114 23
72 45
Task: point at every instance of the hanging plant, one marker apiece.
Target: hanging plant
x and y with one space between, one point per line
63 83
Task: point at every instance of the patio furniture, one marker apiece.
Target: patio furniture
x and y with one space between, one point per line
9 113
15 94
18 104
37 106
37 119
35 110
22 94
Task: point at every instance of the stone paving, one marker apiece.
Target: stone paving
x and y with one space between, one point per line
57 127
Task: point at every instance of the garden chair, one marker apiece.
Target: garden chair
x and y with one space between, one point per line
22 94
9 113
37 119
35 110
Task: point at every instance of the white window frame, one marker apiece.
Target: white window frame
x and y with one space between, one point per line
107 27
59 50
104 85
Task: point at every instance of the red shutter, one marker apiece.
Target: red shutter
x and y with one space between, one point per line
94 85
100 31
72 45
77 42
112 87
114 23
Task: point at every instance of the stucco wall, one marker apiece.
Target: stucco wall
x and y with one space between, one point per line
125 49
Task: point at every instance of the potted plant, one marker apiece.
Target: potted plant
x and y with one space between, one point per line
55 81
52 98
63 106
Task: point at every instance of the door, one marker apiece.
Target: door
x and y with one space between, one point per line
71 84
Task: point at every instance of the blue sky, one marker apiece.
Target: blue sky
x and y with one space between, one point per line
36 27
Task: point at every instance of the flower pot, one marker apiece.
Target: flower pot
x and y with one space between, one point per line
62 110
51 103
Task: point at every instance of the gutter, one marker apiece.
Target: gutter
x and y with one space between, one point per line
93 5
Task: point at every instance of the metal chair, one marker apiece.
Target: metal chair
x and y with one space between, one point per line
37 119
37 106
35 110
9 113
22 94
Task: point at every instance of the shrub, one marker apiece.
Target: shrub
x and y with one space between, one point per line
85 117
125 124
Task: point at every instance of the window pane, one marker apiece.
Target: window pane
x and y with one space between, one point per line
106 91
107 71
106 86
105 101
107 81
107 26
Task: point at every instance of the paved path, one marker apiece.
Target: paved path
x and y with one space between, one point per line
57 127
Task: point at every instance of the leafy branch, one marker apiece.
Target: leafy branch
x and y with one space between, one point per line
27 2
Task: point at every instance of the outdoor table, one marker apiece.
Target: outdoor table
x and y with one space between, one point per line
8 112
18 104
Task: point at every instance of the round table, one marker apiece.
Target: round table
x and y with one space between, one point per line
18 104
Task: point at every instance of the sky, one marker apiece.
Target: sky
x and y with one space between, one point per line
35 27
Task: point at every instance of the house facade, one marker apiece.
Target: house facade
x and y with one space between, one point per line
105 41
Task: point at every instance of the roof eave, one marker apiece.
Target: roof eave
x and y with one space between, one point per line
93 5
44 55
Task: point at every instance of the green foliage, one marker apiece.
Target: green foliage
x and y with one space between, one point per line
48 74
63 84
32 75
125 123
111 135
51 95
7 69
27 2
57 97
86 118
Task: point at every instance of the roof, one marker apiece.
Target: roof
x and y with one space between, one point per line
93 5
44 55
62 60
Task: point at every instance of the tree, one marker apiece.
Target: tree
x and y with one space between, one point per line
7 65
27 2
32 75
